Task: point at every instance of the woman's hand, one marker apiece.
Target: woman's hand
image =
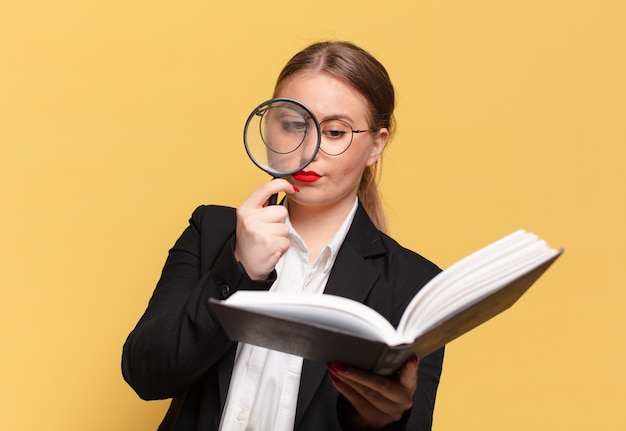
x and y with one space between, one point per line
262 235
377 400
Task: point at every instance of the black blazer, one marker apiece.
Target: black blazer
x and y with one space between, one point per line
177 350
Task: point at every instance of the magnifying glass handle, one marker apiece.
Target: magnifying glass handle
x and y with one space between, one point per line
274 198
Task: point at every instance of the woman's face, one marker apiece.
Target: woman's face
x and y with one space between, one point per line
333 180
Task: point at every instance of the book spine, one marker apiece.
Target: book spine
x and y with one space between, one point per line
391 359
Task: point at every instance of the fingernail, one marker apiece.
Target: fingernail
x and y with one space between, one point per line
295 189
336 367
333 377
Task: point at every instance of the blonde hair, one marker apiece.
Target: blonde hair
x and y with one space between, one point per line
359 69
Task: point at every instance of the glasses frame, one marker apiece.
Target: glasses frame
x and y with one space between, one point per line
351 136
259 111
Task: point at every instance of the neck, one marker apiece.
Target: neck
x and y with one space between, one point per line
317 225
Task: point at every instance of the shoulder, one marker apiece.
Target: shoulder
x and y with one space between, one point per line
209 229
209 224
399 272
401 253
374 244
402 263
394 262
214 215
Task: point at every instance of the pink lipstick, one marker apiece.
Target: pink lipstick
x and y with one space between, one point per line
306 176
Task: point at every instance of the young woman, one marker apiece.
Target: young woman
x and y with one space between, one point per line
327 236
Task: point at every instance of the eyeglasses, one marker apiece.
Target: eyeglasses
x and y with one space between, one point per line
337 136
285 129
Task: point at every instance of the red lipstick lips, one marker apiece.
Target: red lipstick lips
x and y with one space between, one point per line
306 176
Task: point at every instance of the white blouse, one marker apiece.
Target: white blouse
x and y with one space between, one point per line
264 385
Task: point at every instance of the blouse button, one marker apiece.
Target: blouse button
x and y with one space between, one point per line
225 290
241 415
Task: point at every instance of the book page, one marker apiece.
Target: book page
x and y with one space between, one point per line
321 309
455 291
475 292
472 279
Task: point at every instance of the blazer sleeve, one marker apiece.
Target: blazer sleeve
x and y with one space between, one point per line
176 340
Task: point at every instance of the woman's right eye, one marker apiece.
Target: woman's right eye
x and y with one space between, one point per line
293 126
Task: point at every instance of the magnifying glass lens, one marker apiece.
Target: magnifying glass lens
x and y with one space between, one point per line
281 137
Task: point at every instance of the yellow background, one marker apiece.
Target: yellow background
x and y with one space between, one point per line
118 118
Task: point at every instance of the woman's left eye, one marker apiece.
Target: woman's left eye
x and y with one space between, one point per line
334 133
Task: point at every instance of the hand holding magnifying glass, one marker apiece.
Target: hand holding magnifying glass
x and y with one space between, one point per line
282 136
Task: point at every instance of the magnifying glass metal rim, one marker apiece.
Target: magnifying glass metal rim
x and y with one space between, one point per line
308 111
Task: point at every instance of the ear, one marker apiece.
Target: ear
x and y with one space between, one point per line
378 145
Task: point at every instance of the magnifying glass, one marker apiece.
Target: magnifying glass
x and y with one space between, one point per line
282 136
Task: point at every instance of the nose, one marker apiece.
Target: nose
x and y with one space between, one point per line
310 145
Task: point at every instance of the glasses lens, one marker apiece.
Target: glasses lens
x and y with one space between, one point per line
283 128
337 136
281 137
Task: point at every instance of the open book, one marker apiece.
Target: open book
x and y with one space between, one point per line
331 328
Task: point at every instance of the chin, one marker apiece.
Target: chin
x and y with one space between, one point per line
310 198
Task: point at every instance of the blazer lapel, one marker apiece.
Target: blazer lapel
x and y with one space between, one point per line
352 277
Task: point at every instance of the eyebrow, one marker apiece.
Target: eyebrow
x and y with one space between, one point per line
344 117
